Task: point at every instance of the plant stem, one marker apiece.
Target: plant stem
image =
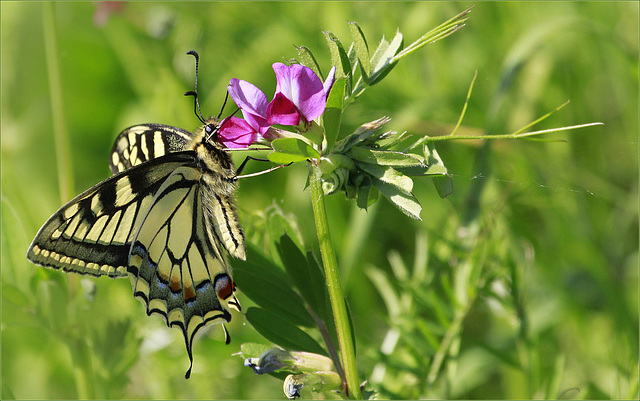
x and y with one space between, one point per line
501 136
60 132
332 276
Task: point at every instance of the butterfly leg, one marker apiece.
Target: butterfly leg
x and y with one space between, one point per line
242 165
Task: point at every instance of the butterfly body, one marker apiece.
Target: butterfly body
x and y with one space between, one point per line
163 219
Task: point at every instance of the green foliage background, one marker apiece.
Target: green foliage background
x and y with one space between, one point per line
527 276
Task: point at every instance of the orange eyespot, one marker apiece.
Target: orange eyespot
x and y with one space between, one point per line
224 286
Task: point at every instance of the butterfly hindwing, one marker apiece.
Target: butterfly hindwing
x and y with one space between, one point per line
175 269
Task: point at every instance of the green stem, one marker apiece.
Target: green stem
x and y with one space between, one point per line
502 136
60 133
332 275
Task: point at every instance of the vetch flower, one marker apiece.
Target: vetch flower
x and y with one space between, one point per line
300 95
253 103
236 132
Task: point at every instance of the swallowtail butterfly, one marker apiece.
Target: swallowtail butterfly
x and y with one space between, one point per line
163 219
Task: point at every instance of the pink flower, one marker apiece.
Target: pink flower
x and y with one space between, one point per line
252 102
236 132
300 95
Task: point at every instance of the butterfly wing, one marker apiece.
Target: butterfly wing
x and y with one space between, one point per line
92 233
140 143
163 220
144 142
176 269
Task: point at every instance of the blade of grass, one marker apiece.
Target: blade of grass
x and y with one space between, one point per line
60 130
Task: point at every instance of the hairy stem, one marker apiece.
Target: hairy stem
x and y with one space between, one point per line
332 275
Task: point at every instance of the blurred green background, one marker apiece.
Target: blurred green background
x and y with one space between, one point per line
525 280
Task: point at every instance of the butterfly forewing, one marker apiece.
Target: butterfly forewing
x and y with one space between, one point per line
145 142
92 233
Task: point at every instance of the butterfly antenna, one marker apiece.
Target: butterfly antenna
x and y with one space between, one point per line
224 104
194 93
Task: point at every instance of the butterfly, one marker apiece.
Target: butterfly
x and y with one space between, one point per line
164 219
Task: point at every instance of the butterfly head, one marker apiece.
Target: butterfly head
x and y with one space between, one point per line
211 128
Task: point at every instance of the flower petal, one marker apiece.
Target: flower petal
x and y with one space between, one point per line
236 133
281 110
283 79
307 92
328 83
248 97
259 123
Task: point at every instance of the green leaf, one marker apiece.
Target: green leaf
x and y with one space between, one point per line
366 194
339 57
253 350
386 157
361 48
389 175
295 263
282 332
382 283
407 204
307 276
307 59
433 159
444 184
382 60
440 32
268 286
333 112
319 288
353 60
334 161
277 222
291 150
433 166
359 135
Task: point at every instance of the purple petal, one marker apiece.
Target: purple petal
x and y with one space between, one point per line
307 92
236 133
248 97
283 79
258 123
328 83
282 111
